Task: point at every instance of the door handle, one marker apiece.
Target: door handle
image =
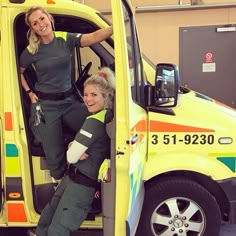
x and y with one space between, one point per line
133 139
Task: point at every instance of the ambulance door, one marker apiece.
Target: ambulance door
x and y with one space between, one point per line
131 121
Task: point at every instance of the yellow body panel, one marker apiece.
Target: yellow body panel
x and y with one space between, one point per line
187 140
193 142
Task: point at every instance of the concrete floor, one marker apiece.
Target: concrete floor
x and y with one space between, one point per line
226 230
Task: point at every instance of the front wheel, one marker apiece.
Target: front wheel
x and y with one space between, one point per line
179 207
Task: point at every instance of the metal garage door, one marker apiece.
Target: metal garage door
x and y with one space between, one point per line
208 61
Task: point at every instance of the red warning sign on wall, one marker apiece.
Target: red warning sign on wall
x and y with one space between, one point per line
208 57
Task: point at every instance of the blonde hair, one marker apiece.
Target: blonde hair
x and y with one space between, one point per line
33 38
104 79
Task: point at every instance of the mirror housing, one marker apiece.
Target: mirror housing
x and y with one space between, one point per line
166 85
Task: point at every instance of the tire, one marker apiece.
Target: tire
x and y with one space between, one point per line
179 207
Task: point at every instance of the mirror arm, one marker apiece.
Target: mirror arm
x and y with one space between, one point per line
149 92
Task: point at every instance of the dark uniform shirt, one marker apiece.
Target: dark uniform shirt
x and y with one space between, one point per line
94 136
52 62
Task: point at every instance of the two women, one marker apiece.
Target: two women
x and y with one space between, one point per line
49 52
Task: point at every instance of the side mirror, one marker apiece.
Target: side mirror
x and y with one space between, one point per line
166 85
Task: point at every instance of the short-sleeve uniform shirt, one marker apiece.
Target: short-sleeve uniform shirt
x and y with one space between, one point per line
52 62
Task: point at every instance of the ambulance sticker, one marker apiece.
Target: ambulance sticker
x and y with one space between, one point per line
193 139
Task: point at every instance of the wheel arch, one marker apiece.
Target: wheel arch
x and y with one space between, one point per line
205 181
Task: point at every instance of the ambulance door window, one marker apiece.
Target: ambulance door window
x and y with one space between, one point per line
101 54
134 58
92 58
87 55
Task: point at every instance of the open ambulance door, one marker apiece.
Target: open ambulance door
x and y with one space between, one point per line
131 121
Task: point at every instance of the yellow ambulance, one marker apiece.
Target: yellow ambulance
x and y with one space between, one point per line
173 159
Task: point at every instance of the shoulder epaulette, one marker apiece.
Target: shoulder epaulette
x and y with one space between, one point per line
99 116
61 34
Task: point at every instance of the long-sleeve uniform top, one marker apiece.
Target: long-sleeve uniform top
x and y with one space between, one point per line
93 139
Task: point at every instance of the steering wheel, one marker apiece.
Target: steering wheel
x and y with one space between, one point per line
82 77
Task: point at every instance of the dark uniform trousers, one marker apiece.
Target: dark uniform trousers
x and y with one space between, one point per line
67 209
57 114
